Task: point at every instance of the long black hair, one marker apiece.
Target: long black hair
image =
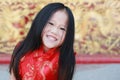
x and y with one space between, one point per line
33 41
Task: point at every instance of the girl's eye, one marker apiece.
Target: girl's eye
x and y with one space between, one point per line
63 29
50 23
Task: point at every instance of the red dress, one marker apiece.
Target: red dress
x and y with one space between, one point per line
39 65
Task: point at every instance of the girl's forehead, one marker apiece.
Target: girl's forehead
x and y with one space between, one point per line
61 16
60 13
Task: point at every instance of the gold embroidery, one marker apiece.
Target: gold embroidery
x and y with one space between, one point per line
36 54
22 58
29 75
49 64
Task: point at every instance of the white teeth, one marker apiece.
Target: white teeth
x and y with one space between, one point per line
51 38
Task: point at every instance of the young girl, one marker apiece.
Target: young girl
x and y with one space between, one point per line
47 51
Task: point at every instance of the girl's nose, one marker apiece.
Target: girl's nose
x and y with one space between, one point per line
54 30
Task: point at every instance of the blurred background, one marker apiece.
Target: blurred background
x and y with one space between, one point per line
97 34
97 24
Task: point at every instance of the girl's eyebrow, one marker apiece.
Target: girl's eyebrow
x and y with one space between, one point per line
50 20
55 23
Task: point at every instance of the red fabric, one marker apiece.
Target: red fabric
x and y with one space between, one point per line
39 65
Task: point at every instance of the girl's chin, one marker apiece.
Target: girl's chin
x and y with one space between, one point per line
48 47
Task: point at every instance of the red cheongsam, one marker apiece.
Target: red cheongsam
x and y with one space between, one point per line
40 65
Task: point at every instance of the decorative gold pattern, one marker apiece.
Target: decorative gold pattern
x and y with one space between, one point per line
97 24
35 66
46 63
29 75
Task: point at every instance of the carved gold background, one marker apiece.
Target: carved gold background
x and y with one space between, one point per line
97 24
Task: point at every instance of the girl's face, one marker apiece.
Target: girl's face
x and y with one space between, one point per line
55 29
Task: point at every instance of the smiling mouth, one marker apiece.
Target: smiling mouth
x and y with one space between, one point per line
52 38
